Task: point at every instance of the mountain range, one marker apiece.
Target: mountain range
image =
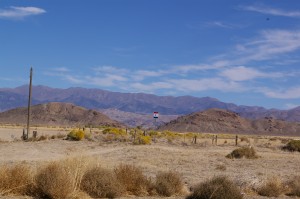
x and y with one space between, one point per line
223 121
134 108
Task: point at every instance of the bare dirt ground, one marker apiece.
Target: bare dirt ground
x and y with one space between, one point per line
195 162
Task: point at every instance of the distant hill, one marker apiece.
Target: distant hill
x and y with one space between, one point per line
57 114
223 121
134 119
137 103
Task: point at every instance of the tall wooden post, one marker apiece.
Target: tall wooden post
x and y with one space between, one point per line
29 104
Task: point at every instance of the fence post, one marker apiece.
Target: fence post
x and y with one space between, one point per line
34 134
216 140
236 140
24 135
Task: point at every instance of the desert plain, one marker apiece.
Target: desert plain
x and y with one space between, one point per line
195 162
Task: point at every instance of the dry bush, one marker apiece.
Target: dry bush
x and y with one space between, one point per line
245 139
221 167
42 137
16 179
271 188
132 179
217 188
168 183
60 136
247 152
55 181
295 186
79 195
100 183
293 145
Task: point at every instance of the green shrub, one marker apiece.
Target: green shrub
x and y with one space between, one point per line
247 152
293 145
132 179
168 183
101 183
216 188
76 134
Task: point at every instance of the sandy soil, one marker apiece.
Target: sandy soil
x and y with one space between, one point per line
195 162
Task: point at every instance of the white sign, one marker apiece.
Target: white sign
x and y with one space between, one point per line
155 115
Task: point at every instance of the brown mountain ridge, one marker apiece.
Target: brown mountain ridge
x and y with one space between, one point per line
57 114
223 121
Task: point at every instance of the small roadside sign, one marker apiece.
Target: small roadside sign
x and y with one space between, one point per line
155 115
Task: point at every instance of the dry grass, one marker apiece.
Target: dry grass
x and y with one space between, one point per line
132 179
273 187
55 181
216 188
168 183
221 167
16 179
101 183
61 179
295 186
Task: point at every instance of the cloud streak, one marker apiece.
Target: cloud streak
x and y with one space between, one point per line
271 11
15 12
242 73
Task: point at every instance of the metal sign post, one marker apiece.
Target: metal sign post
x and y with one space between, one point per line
155 116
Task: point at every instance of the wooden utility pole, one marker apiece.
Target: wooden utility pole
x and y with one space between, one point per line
29 104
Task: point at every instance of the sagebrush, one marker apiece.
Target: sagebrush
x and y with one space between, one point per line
168 183
243 152
273 187
133 180
101 183
219 187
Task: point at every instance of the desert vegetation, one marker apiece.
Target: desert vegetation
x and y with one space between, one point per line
243 152
69 178
293 145
219 187
139 163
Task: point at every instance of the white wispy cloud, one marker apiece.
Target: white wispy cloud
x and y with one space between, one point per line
15 12
192 68
150 87
220 24
110 69
270 44
61 69
291 106
271 11
286 93
242 73
72 78
196 85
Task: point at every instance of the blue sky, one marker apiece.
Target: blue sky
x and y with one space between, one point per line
245 52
